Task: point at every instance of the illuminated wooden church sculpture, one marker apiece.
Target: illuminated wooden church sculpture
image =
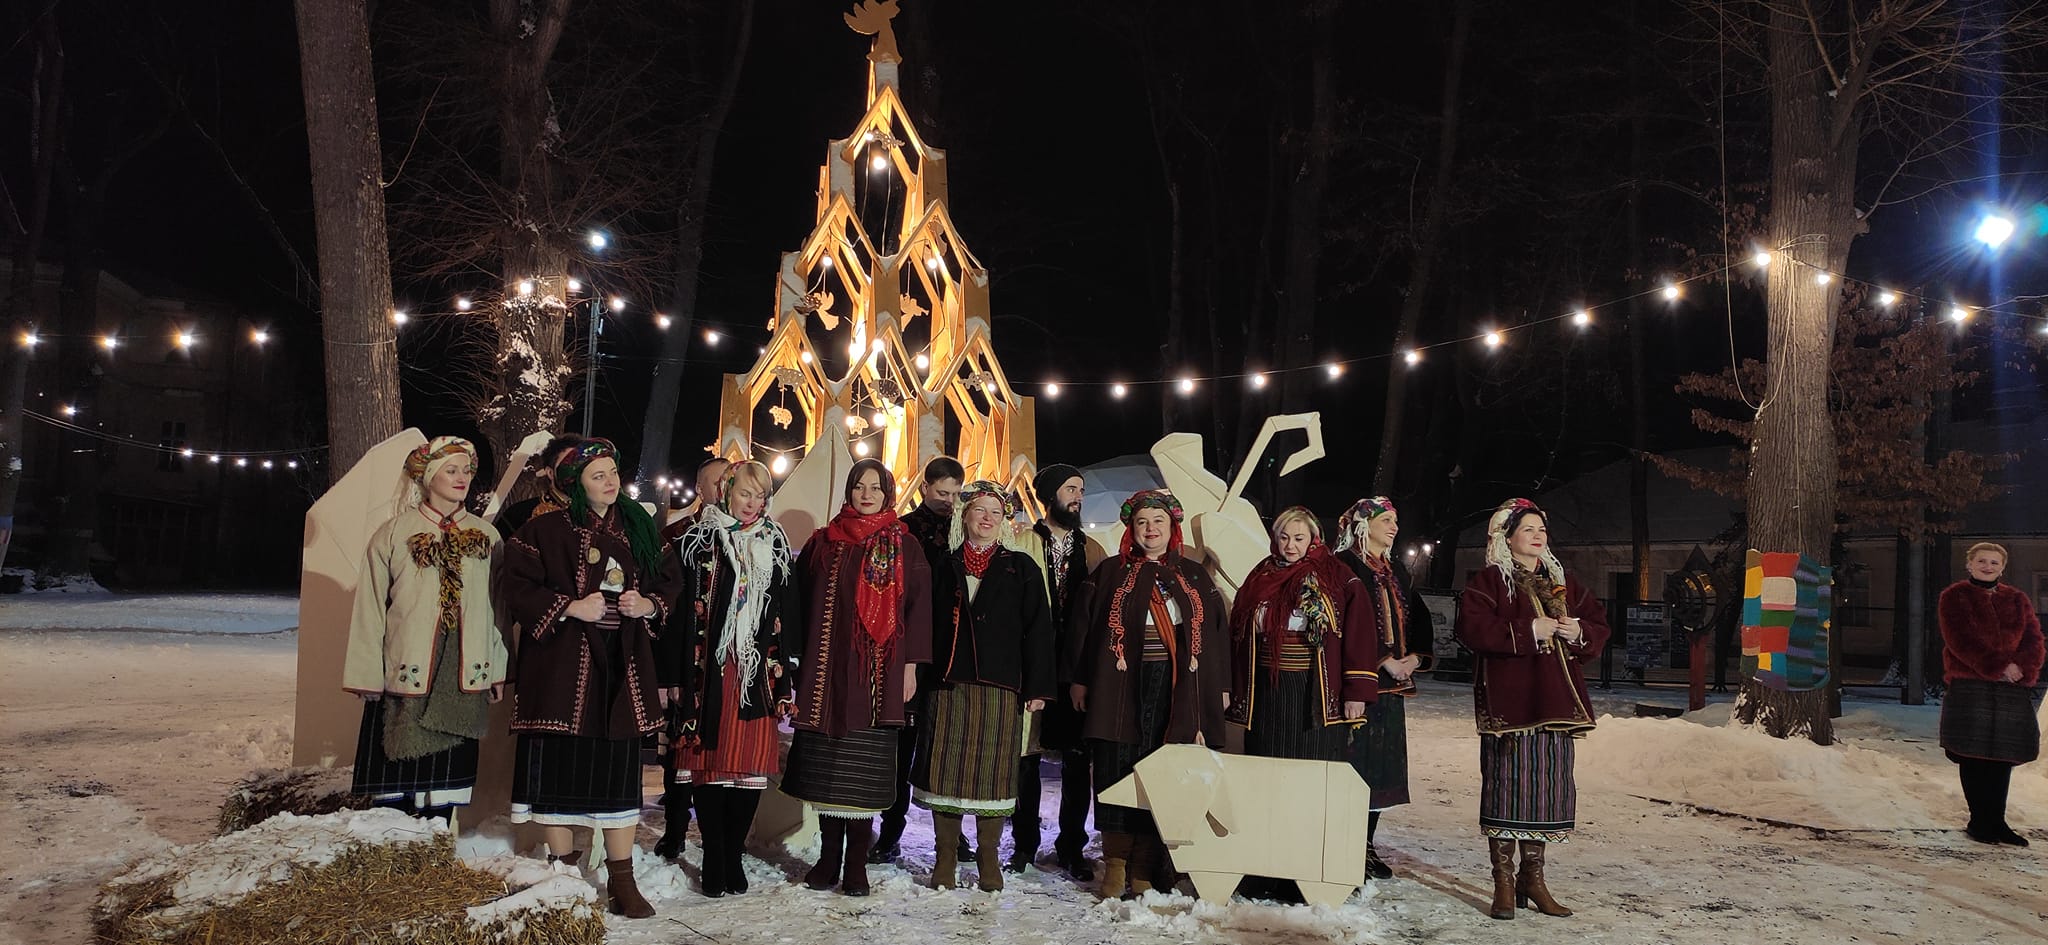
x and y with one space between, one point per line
881 341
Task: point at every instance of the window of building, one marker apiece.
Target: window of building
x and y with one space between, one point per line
1852 596
171 458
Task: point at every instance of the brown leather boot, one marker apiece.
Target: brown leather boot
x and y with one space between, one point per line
1502 853
946 839
988 842
1146 853
1529 885
831 843
860 840
1116 856
623 892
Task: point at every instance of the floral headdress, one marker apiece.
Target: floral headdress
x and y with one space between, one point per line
1151 499
1351 524
427 459
1503 523
982 488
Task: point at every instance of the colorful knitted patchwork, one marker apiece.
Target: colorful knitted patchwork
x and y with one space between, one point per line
1787 606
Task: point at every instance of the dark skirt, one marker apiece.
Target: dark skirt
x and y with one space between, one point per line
1989 721
1288 721
570 781
1526 788
852 777
1114 761
1379 751
432 780
968 743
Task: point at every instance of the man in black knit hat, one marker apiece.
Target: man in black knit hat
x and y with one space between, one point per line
1068 555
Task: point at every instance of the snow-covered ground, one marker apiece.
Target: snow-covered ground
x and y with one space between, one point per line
182 613
115 744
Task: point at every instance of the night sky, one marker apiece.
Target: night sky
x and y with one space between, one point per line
1058 187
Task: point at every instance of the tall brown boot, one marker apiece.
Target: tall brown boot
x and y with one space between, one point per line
1529 885
1116 856
623 892
946 839
1146 853
1502 853
860 841
988 842
831 844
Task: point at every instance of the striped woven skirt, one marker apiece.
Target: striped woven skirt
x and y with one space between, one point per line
968 744
1114 761
747 754
1526 788
571 781
433 780
1379 751
852 776
1989 721
1287 720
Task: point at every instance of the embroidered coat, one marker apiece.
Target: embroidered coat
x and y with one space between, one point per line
999 635
1405 610
689 644
1199 638
1065 580
1515 686
1347 660
404 598
548 564
1985 629
839 689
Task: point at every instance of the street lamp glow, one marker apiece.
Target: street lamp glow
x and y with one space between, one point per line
1994 231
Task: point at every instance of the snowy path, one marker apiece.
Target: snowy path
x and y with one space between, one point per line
116 743
187 613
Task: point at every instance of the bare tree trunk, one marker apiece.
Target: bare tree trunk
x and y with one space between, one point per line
46 103
1304 247
531 367
658 429
361 344
1793 461
1427 238
1638 385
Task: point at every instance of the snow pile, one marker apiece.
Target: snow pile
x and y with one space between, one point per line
185 613
33 582
1885 773
1189 919
537 887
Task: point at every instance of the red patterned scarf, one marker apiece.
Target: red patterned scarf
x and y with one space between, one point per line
1304 585
879 598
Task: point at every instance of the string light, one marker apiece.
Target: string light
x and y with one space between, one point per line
463 305
525 288
880 163
880 420
292 464
805 357
618 304
185 453
266 464
1117 391
242 462
575 286
663 321
1822 278
779 465
1493 339
214 459
109 342
1052 391
398 317
1187 386
1259 381
710 337
259 336
598 240
1762 258
825 262
1334 369
852 423
1582 318
1887 297
185 340
68 410
876 346
1958 314
860 448
1412 356
923 362
30 339
1671 292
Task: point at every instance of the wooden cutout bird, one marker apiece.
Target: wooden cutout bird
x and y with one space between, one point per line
871 18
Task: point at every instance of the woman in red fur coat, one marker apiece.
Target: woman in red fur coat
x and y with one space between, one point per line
1991 659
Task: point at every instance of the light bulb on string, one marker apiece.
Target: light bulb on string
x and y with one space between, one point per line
854 348
598 241
30 339
880 163
109 342
1493 339
293 464
214 459
241 462
186 340
1671 292
1258 381
399 317
923 362
1958 314
1334 369
525 287
575 286
259 336
825 262
805 357
463 305
1887 298
618 304
1582 318
663 322
266 464
68 410
1052 391
876 346
852 423
779 465
1412 356
1117 391
880 420
710 337
1187 386
860 448
1762 258
1822 278
185 453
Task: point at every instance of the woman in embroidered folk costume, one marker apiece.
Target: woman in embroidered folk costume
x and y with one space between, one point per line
992 663
867 624
1379 748
423 647
1304 660
734 641
1991 660
587 588
1533 629
1151 667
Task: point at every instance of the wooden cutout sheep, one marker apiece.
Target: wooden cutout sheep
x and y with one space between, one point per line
1225 817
